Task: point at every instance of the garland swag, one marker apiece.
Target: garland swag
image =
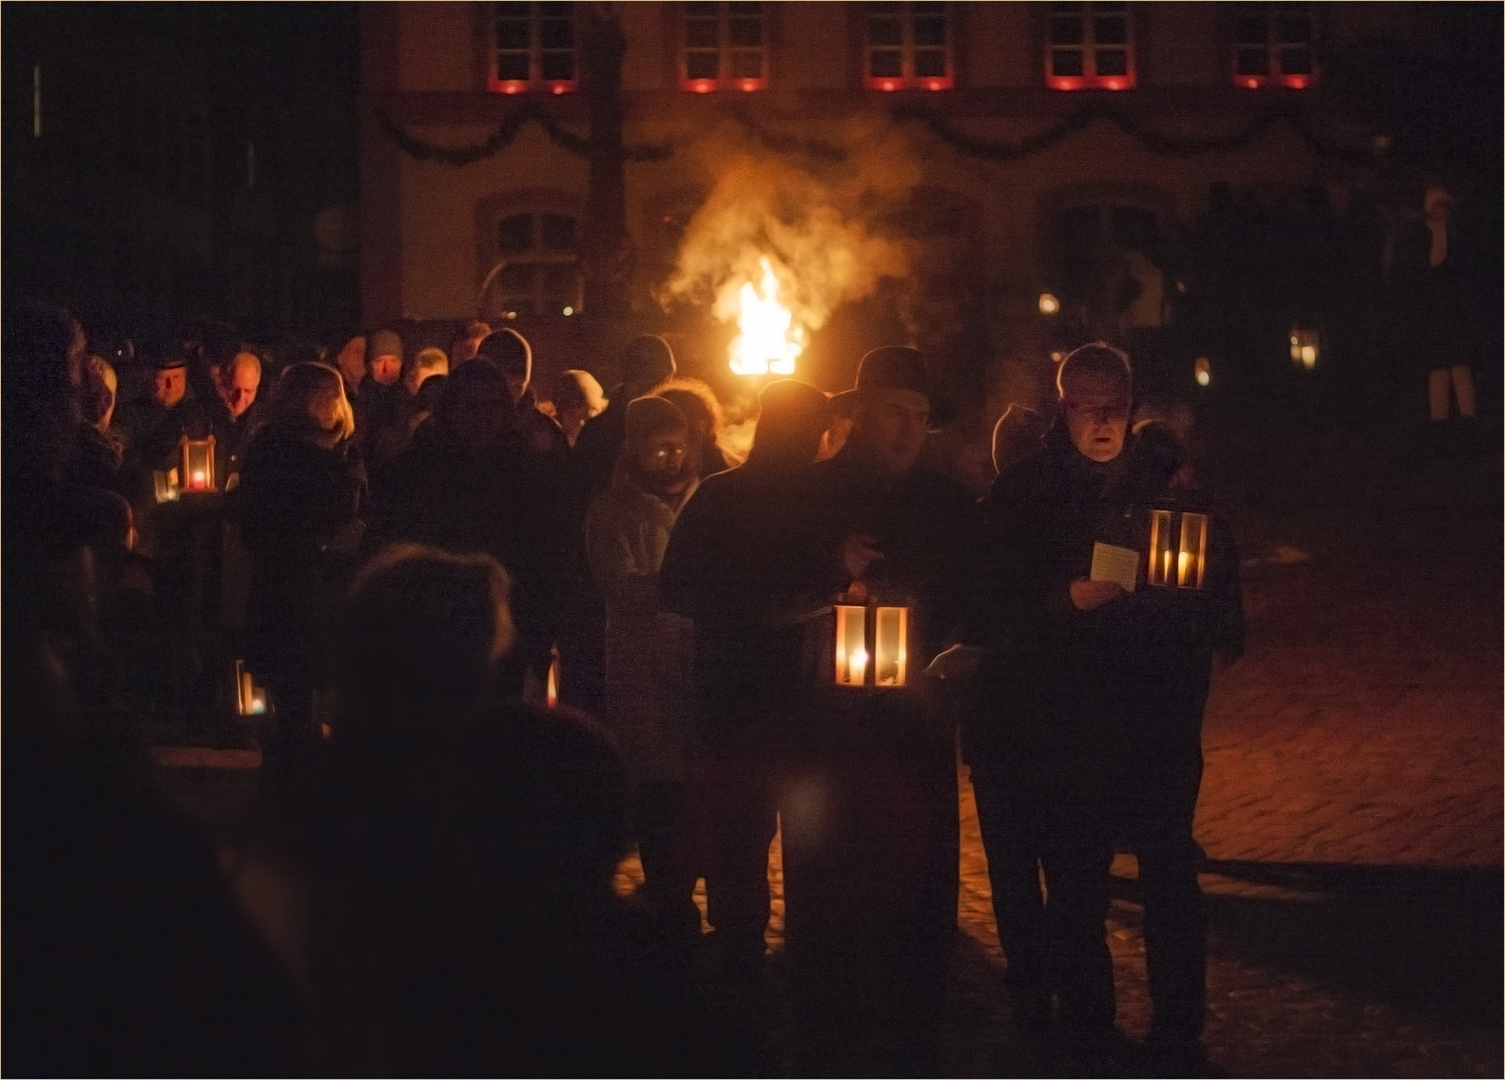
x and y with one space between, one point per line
939 125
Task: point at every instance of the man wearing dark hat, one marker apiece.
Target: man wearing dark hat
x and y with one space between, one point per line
871 846
381 406
727 570
171 413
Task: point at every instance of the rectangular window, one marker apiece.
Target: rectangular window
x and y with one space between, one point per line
539 273
1089 47
535 48
908 46
1274 45
725 47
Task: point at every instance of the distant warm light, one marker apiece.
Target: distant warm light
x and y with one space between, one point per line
511 314
1049 305
569 311
768 342
702 86
750 84
1296 82
36 101
1306 347
559 88
512 87
1202 369
1180 286
1057 356
888 84
1249 84
935 84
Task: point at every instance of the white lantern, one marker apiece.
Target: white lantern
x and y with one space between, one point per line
872 645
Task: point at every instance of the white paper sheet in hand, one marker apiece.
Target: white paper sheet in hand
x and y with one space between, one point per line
1110 563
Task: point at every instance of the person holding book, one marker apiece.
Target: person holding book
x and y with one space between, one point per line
1087 734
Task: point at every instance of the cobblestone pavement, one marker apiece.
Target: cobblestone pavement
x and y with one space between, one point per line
1350 811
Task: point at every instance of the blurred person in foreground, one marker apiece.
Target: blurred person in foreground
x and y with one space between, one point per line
449 881
727 570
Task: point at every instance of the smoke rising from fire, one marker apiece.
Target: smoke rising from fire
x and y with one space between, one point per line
810 212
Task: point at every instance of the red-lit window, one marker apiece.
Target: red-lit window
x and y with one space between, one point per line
908 47
535 49
1090 47
725 47
539 272
1273 45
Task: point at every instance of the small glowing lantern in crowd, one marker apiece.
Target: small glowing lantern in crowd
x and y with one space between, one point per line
1049 305
197 470
1202 371
551 683
250 699
872 644
165 485
1178 549
1306 346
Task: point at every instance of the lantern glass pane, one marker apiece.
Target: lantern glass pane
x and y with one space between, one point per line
851 645
198 464
891 647
1191 557
1158 572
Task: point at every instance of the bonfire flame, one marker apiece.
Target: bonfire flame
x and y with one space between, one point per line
769 340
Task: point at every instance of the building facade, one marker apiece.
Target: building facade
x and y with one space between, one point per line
1012 137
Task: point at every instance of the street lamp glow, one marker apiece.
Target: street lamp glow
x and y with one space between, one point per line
1049 305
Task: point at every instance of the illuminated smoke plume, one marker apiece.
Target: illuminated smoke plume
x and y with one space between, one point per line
805 215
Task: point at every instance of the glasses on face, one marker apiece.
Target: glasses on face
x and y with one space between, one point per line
1101 414
662 455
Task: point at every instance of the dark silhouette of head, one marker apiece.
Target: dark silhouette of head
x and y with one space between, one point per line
476 404
647 362
420 633
793 416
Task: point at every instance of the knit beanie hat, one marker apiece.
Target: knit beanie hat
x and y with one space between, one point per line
384 343
647 416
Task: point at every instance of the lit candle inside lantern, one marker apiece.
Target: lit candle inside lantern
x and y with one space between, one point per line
857 669
198 463
551 684
1181 562
247 693
258 701
1165 574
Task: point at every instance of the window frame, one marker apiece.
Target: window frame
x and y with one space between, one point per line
1089 47
724 49
1274 76
907 79
539 259
535 83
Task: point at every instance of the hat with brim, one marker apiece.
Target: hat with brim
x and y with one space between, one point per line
895 367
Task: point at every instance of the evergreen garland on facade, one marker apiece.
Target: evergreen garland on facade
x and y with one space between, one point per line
998 152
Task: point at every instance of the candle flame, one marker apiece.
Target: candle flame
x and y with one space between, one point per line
769 340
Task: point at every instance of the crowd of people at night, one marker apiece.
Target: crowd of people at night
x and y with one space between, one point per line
507 634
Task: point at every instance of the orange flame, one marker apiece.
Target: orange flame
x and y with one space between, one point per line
770 340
